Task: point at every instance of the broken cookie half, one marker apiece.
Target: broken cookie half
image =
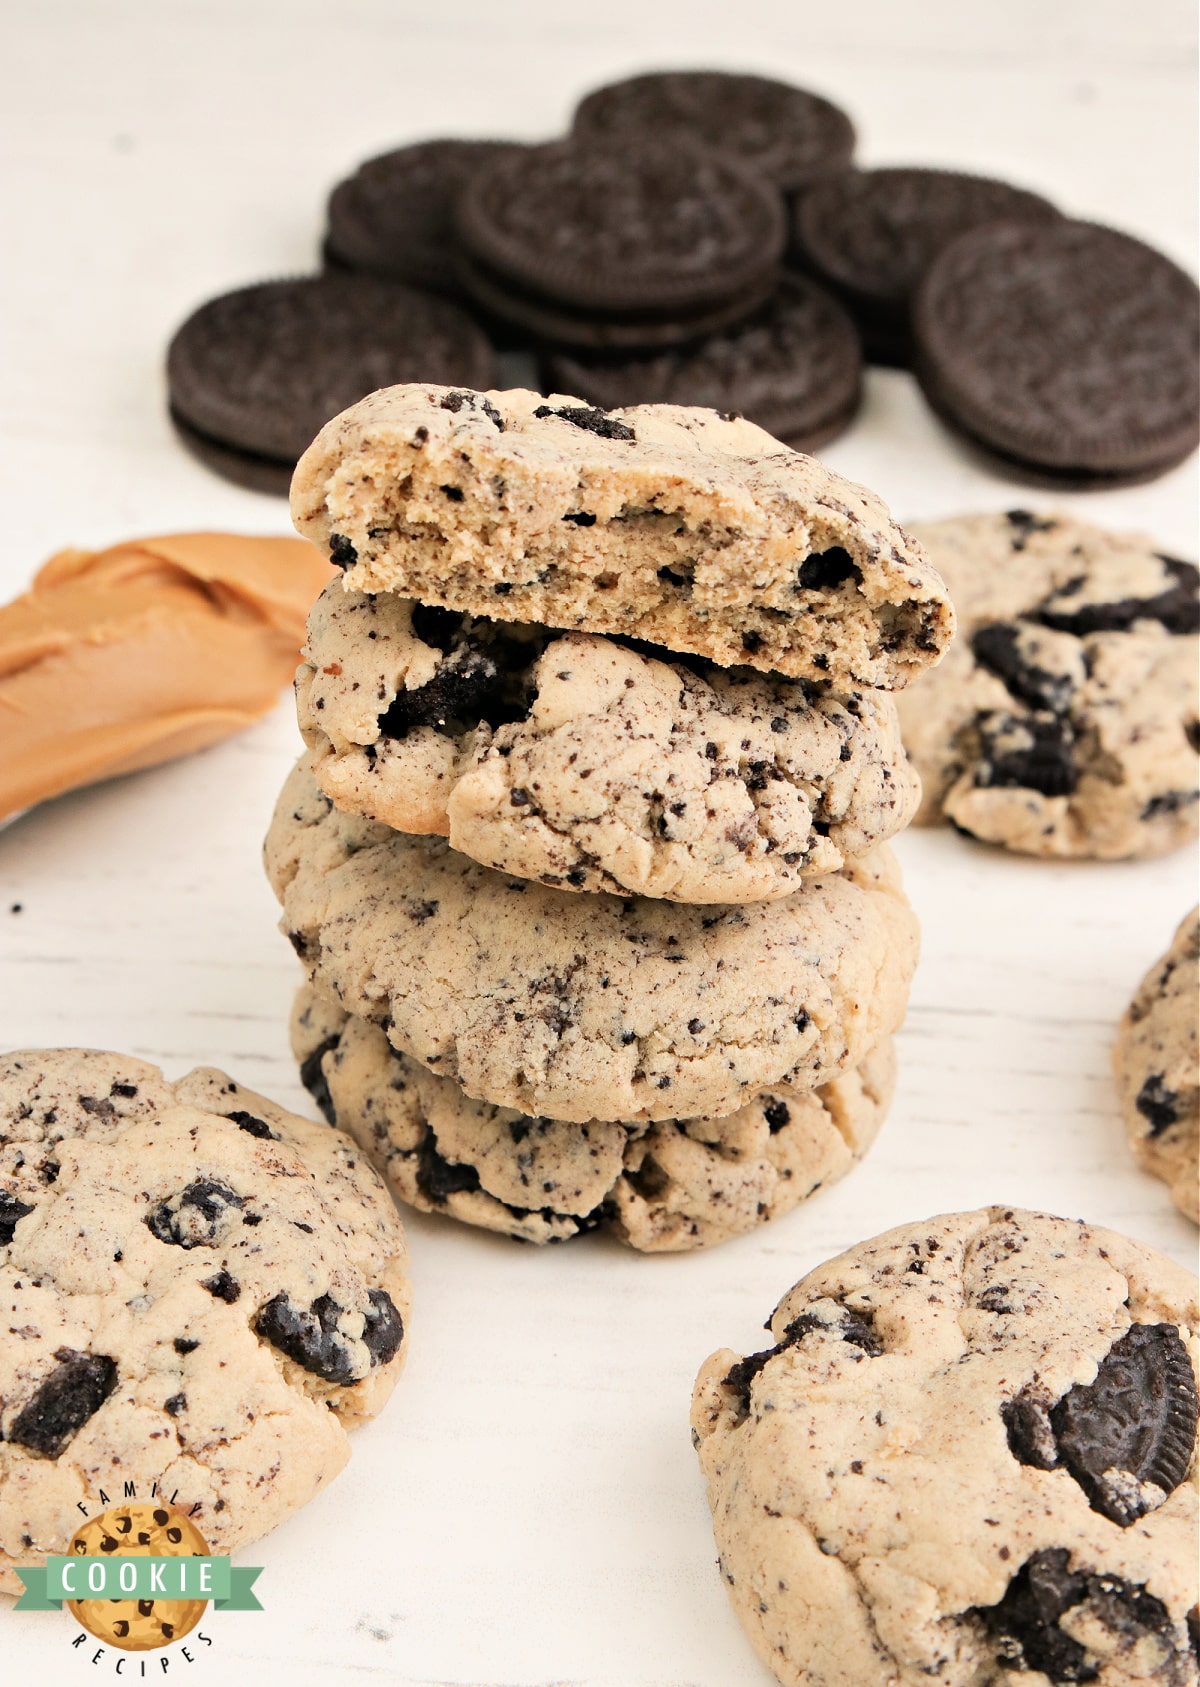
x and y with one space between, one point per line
687 528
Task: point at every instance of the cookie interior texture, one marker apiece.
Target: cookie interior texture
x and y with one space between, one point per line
970 1454
1063 720
199 1289
581 1008
667 1187
591 762
1157 1071
694 532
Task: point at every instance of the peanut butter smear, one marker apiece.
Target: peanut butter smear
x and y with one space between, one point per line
114 660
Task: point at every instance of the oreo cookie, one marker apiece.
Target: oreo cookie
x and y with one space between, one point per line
786 135
1067 348
253 375
394 217
795 368
615 246
870 235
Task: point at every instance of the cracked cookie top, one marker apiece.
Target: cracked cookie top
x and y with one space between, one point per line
1064 718
198 1289
970 1455
592 763
690 529
584 1008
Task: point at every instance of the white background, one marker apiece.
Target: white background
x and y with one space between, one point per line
528 1510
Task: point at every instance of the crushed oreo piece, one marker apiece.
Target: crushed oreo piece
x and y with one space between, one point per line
1025 1623
192 1218
1156 1103
1137 1419
341 552
439 1178
383 1327
309 1337
1176 608
313 1078
12 1211
251 1125
997 647
1040 760
73 1392
591 420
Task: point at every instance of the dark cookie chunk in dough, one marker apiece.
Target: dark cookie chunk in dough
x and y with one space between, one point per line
12 1211
195 1217
73 1392
315 1340
1025 1624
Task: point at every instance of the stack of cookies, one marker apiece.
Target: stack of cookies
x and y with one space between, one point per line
587 858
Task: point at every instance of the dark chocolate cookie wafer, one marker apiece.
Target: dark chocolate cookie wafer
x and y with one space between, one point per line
1066 347
598 243
795 368
786 134
253 375
394 216
870 235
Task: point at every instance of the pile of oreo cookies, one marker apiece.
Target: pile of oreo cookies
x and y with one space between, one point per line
703 238
586 860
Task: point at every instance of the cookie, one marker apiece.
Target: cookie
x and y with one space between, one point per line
1064 719
673 525
969 1457
586 763
197 1289
870 235
1066 347
596 244
1156 1068
794 369
252 375
662 1188
597 1007
784 134
394 217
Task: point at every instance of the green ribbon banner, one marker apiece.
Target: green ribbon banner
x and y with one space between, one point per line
131 1577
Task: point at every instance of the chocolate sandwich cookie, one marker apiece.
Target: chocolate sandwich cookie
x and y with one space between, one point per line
664 1188
591 764
691 530
969 1456
253 375
1068 348
588 1007
1063 720
870 235
394 217
794 368
1158 1071
786 135
198 1290
601 245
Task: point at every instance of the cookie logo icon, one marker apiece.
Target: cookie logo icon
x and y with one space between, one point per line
138 1531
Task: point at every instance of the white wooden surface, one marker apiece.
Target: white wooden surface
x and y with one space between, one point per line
528 1510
